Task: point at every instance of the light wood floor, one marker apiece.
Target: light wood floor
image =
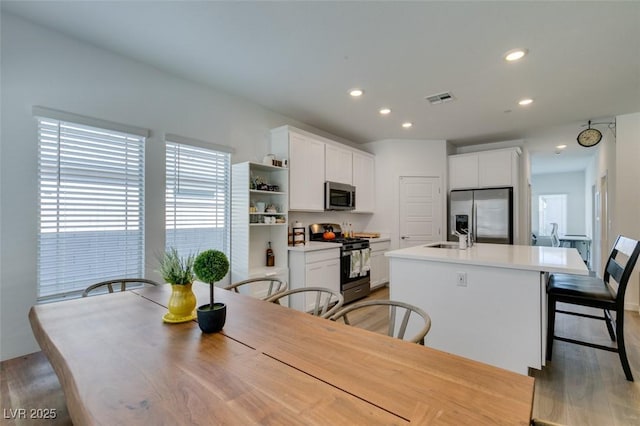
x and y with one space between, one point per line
581 386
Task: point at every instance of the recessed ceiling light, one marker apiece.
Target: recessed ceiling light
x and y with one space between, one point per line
561 146
356 92
525 102
515 54
407 124
385 111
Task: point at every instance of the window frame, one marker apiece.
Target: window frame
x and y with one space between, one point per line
218 157
91 187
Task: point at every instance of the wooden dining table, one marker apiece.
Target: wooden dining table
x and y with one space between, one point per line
118 363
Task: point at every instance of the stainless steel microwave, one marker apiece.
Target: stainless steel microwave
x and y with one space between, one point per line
339 196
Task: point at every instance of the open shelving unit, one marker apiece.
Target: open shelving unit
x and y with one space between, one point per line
252 230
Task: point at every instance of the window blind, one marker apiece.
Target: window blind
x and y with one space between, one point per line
91 206
198 198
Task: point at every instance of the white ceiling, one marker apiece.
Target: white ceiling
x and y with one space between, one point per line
301 58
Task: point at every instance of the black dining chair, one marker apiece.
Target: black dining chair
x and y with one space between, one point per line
598 293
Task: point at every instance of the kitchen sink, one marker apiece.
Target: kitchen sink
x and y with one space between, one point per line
443 245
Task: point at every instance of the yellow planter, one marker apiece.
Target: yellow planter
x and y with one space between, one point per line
182 304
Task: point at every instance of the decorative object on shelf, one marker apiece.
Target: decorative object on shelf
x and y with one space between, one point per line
268 159
259 184
589 137
178 271
298 234
271 259
211 266
260 206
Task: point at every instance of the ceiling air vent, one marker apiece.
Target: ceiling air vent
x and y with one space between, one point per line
440 98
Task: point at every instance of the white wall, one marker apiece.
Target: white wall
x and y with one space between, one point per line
572 184
395 158
627 200
40 67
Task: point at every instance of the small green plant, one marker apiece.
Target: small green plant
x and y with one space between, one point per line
211 266
175 269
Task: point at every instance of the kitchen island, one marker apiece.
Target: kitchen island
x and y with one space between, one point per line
487 302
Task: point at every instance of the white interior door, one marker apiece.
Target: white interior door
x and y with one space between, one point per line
420 210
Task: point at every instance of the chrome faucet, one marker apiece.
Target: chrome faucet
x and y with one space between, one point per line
469 235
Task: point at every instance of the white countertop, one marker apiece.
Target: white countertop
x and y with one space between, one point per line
533 258
315 245
378 239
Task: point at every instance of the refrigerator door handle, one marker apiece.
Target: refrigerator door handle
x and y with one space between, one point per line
474 232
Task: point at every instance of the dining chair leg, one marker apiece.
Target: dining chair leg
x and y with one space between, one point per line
622 352
607 318
551 322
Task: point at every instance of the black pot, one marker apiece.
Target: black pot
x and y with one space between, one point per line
212 320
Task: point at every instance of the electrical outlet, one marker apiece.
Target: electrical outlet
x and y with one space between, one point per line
461 279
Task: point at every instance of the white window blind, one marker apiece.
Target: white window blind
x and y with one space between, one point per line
198 198
91 206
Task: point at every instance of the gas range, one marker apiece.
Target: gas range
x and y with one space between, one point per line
353 286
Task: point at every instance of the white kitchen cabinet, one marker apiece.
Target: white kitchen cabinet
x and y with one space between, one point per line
364 181
251 231
319 268
463 171
486 169
379 263
495 168
314 160
306 156
338 164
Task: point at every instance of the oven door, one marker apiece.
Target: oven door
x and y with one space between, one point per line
352 286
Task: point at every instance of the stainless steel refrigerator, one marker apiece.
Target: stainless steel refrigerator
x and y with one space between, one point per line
488 213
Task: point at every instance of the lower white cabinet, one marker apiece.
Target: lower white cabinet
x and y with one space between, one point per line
319 268
379 263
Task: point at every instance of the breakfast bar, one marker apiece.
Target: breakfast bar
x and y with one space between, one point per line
118 363
486 302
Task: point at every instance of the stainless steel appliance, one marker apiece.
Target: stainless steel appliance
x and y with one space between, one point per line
486 213
339 196
353 285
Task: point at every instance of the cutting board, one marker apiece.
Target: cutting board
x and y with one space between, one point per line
366 234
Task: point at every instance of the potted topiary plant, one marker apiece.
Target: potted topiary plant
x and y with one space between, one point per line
178 271
211 266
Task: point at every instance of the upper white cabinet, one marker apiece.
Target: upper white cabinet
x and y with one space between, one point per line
463 171
484 169
314 160
496 168
306 167
338 166
364 181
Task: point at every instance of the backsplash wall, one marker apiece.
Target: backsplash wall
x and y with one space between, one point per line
359 221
